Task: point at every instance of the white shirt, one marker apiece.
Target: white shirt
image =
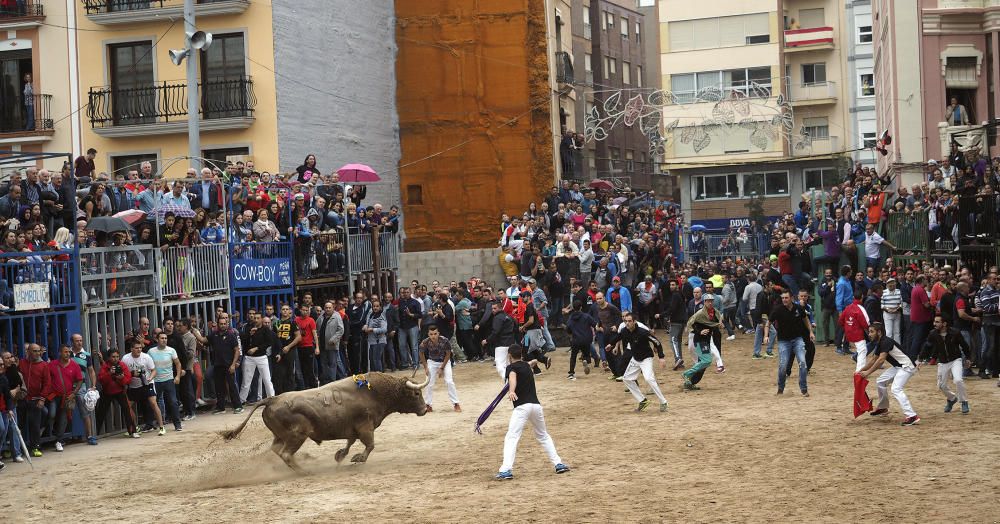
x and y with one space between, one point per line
872 243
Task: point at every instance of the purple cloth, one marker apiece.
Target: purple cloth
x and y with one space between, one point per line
831 244
489 409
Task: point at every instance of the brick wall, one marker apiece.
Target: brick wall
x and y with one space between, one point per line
445 266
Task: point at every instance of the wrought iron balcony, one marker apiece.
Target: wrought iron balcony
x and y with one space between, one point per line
108 12
163 108
27 119
21 14
564 68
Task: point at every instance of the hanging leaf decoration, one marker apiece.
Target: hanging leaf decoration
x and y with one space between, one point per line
758 140
723 112
701 140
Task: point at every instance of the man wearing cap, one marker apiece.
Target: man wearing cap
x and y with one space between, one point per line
529 328
541 303
892 306
703 325
619 296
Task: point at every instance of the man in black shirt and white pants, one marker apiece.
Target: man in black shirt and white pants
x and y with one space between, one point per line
521 382
900 370
636 338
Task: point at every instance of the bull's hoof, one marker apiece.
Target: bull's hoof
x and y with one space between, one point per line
339 456
360 457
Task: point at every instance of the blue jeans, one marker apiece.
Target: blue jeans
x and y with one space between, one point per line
785 350
331 368
917 339
8 434
409 338
375 354
792 283
166 396
758 338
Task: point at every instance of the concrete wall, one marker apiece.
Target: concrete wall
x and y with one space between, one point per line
474 103
347 50
445 266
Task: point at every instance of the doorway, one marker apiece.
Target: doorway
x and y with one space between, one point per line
13 66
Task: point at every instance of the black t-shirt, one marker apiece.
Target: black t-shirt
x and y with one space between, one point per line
789 322
525 389
285 331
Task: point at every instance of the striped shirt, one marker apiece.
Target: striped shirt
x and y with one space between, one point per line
891 299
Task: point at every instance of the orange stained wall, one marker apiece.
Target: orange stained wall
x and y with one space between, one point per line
473 95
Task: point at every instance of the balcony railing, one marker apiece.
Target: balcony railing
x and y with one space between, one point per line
112 275
21 9
195 270
19 117
809 38
564 68
128 11
818 92
167 102
362 256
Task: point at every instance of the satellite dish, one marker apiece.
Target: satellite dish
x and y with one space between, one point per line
200 40
178 55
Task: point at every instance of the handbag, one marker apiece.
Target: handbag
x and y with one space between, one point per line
313 263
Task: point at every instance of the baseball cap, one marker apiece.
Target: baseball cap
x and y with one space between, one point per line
616 279
774 258
708 296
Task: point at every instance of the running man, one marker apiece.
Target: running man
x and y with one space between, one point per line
636 339
886 350
521 382
435 356
953 356
702 324
792 326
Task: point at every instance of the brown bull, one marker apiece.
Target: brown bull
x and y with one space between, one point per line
338 410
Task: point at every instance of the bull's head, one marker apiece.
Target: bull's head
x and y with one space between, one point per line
412 400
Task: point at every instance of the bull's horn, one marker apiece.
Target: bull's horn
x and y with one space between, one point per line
413 385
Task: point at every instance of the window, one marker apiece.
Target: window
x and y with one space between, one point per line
613 65
588 31
824 178
590 107
626 73
683 88
131 67
769 184
217 158
715 186
817 128
125 163
614 164
868 140
414 195
742 79
638 33
609 20
629 160
867 85
223 69
607 67
727 31
591 159
686 86
638 76
624 26
588 67
813 73
865 34
647 3
809 18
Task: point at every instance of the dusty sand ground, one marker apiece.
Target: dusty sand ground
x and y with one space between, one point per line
732 452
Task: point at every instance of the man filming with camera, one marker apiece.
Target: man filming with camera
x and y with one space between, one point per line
114 378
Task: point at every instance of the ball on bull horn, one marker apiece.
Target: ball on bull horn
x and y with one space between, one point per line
414 385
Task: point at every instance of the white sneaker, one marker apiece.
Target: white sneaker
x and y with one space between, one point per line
731 337
59 446
200 403
18 459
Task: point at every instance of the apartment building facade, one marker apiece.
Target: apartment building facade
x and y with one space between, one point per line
757 104
861 63
927 54
36 120
336 96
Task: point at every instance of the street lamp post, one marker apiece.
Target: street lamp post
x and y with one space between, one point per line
195 41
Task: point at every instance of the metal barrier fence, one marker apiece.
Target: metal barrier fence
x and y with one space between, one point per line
40 297
107 327
361 256
322 257
720 245
110 275
908 232
192 270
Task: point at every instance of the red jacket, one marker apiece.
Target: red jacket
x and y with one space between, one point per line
62 379
111 385
854 320
36 378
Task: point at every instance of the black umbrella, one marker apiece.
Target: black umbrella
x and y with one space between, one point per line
107 224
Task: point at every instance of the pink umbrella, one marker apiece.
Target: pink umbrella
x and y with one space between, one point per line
357 173
131 216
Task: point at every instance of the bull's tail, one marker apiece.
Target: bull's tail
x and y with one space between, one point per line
233 433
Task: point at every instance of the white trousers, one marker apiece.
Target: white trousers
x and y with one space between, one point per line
899 377
711 348
518 418
893 323
433 367
956 370
632 373
500 357
861 347
259 364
